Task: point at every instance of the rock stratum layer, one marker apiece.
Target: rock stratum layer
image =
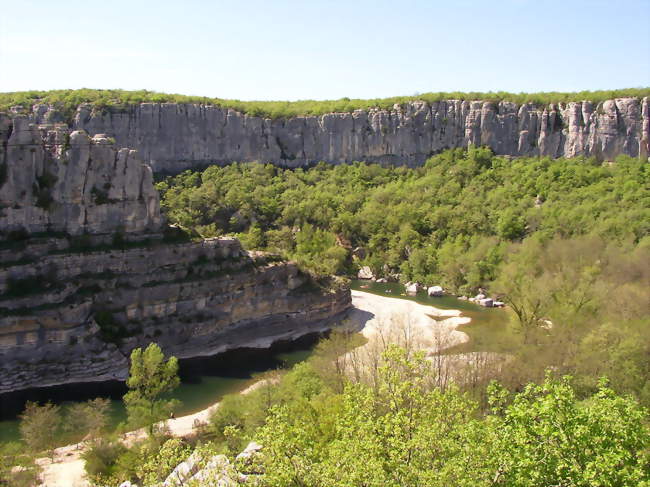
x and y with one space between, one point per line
88 270
173 137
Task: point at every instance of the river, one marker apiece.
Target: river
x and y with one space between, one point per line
206 380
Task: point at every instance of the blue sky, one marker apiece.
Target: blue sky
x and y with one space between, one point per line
324 49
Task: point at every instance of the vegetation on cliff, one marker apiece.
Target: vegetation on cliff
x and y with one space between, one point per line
68 100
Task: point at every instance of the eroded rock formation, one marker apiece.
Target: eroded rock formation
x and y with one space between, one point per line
57 181
88 271
173 137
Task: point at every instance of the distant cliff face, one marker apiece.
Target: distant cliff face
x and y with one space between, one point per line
173 137
86 274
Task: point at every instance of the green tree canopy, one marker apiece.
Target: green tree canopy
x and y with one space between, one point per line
150 377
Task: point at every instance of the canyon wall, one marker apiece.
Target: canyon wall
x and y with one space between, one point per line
89 271
173 137
52 180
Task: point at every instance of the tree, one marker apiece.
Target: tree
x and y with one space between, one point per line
150 378
88 418
546 436
40 426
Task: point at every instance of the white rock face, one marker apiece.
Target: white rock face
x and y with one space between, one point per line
57 181
174 137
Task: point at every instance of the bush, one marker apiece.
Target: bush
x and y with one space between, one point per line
101 460
111 329
18 287
161 461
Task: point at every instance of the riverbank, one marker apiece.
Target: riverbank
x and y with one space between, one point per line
377 317
66 469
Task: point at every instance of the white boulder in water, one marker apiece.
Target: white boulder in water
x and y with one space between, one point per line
487 302
435 291
365 273
411 288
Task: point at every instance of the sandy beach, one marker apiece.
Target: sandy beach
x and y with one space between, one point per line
395 320
391 320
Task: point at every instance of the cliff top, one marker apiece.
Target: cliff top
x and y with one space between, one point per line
68 100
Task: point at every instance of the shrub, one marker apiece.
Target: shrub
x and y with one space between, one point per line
101 459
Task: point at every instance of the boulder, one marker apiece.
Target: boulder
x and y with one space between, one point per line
411 288
435 291
250 461
365 273
487 302
184 471
217 472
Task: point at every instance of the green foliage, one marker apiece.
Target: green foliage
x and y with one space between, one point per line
43 190
17 469
18 287
40 426
68 100
100 196
158 462
449 222
3 174
101 458
150 377
111 330
548 437
404 431
87 419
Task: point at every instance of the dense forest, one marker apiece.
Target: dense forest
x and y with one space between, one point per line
563 241
68 100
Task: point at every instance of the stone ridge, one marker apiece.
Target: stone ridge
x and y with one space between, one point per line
173 137
194 299
53 180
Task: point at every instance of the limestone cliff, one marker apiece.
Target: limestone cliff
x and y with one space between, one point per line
173 137
74 317
88 271
57 181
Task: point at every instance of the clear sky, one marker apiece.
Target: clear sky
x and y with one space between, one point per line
324 49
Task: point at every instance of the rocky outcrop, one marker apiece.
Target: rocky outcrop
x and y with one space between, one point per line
88 270
173 137
57 181
75 317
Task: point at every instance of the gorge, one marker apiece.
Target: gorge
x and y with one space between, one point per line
89 270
